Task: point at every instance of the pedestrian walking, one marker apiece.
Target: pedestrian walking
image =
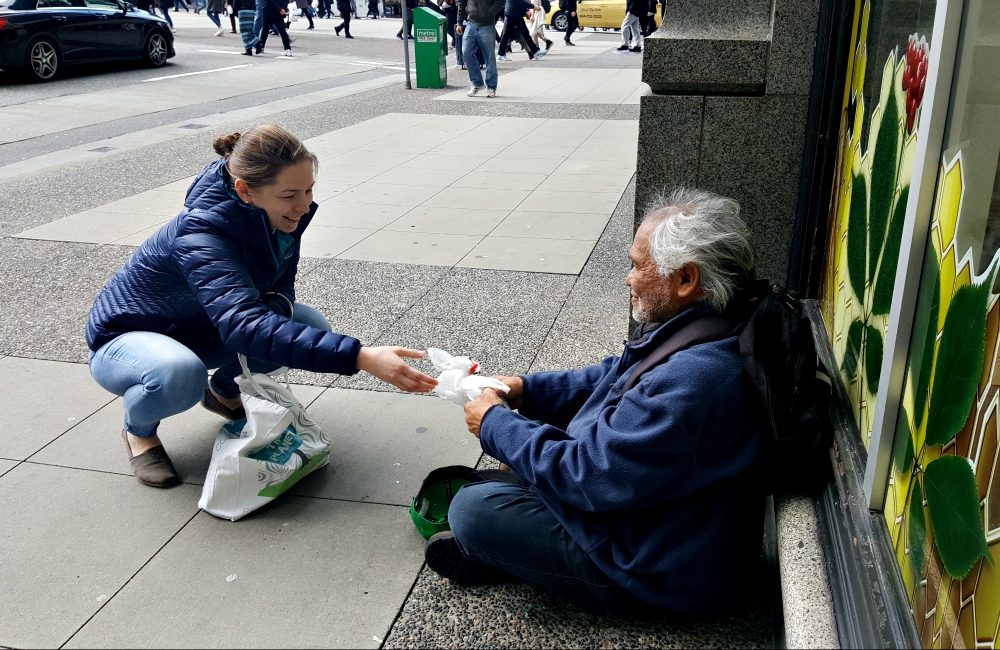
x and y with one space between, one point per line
479 37
165 6
274 16
212 10
178 3
344 7
258 21
408 22
372 10
246 11
231 10
450 11
514 27
537 28
198 6
325 9
635 14
305 7
572 21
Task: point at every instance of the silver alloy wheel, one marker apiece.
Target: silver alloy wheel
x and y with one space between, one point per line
560 21
44 60
157 50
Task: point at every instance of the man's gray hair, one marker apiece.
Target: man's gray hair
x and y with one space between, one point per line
705 229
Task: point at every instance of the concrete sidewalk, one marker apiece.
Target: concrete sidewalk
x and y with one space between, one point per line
514 253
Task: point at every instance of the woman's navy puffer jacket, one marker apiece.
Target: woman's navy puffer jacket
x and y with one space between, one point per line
200 278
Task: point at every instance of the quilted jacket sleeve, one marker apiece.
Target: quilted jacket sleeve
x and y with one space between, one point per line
210 263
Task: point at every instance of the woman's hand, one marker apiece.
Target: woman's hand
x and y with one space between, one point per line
387 364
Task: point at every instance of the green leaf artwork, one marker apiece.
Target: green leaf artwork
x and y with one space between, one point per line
925 331
873 357
885 280
883 179
902 444
849 365
953 502
959 363
857 238
916 524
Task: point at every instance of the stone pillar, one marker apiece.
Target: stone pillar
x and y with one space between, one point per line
728 112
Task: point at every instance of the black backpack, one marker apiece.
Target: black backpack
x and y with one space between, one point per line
779 355
546 6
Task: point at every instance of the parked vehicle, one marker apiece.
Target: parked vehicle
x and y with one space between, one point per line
43 36
606 14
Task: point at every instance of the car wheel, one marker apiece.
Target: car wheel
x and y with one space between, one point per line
156 50
560 21
42 60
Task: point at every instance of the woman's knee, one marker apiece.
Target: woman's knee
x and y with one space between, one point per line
311 316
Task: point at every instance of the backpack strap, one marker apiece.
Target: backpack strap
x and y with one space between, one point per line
702 330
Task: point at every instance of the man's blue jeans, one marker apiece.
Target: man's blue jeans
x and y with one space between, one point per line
159 377
501 523
258 21
483 39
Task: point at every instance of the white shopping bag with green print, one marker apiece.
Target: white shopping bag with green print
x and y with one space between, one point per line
258 459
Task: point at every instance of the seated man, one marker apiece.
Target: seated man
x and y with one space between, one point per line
638 499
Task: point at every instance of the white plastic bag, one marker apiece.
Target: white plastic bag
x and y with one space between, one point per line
257 459
458 382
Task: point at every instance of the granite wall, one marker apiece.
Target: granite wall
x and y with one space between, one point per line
730 84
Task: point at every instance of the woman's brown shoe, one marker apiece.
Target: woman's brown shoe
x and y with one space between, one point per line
212 403
152 467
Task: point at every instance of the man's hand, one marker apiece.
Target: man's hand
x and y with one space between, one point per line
515 397
387 364
458 29
572 13
476 409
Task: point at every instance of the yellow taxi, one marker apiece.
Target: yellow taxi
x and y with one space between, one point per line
599 14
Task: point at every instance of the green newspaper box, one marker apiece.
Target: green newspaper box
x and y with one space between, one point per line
431 48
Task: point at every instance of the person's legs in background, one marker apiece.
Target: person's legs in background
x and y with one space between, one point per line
246 30
258 20
487 45
470 48
166 15
214 17
572 22
459 54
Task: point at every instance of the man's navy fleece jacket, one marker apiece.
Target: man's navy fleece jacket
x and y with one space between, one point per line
657 485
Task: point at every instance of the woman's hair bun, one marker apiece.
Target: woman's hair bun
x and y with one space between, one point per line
224 145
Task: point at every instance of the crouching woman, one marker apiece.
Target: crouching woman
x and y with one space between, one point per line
218 280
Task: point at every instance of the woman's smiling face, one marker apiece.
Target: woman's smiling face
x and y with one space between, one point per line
286 200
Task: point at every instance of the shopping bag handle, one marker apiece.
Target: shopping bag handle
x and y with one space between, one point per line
242 357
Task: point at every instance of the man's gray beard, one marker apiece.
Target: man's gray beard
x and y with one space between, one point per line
654 309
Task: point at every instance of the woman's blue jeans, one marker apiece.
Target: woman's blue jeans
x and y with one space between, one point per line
159 377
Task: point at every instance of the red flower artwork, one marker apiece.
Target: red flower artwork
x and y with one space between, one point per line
914 77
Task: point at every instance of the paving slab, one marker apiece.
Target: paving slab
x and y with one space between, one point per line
69 540
384 444
454 221
346 214
329 241
552 225
524 254
43 399
298 573
412 248
188 438
7 465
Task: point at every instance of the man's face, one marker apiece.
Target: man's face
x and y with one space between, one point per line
652 296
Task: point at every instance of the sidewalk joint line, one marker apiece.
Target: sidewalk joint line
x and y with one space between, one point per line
127 582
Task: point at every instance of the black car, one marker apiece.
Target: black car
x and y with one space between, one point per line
42 36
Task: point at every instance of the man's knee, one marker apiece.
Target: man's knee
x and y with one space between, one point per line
311 316
476 514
